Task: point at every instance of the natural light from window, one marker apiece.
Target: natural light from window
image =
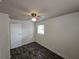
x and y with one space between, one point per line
40 29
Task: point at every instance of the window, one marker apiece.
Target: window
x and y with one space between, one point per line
40 29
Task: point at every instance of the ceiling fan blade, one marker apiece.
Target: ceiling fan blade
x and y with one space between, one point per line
42 17
40 14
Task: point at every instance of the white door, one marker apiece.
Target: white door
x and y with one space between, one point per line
16 35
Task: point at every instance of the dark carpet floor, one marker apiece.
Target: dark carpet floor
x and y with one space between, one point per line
33 51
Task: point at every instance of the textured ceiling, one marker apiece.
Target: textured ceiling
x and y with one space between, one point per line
51 8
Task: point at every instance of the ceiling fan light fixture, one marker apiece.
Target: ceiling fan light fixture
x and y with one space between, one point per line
34 14
34 19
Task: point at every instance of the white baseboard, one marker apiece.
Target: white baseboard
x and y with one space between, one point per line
55 51
62 55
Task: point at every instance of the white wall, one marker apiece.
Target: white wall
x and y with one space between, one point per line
62 35
4 37
39 37
16 35
27 32
27 28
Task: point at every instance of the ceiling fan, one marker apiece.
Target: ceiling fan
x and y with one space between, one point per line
35 15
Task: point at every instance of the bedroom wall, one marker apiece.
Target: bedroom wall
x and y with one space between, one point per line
26 32
39 37
4 37
62 35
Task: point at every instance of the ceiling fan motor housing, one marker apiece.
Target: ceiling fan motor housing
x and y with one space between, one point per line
33 14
